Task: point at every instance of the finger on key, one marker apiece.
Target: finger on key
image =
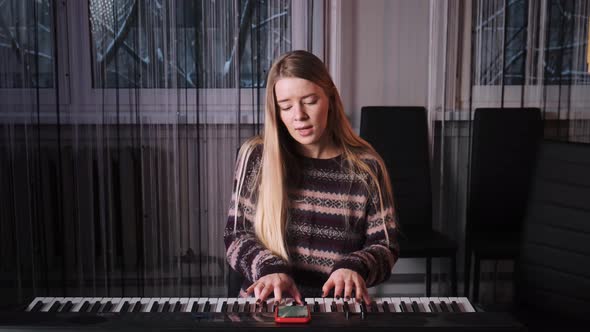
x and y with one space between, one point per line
348 290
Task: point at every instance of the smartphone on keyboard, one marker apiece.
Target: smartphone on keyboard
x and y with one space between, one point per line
292 314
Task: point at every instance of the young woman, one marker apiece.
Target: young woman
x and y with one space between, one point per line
312 207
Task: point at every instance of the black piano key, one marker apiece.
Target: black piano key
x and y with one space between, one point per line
125 307
107 307
55 306
346 309
415 306
316 307
207 307
363 307
402 306
177 306
156 305
137 307
247 306
67 307
224 306
235 307
37 306
455 307
95 307
195 306
293 303
374 307
363 310
334 307
305 303
443 307
263 306
166 307
385 306
84 307
432 307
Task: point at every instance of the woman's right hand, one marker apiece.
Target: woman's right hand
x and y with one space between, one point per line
276 283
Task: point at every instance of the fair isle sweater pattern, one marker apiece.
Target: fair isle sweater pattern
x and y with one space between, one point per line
333 222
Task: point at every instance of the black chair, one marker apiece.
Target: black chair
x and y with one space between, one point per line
552 284
400 136
504 143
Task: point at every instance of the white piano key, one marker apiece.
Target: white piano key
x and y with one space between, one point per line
34 302
466 304
63 303
77 303
213 303
328 304
393 304
436 303
353 305
425 301
103 302
241 303
183 303
202 301
396 302
418 302
310 301
162 301
219 304
173 301
115 303
459 304
446 301
407 302
339 304
122 301
47 304
94 300
145 301
321 303
380 303
191 301
252 303
151 304
230 303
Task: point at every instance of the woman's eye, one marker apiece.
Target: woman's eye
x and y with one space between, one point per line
286 108
313 102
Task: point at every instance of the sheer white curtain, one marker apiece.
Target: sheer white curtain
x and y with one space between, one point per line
501 53
119 128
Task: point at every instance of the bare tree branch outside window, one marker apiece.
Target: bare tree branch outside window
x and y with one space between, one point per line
186 43
26 44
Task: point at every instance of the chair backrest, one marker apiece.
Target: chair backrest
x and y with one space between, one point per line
553 271
400 136
504 144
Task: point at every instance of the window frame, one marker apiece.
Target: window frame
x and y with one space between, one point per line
85 104
20 97
490 95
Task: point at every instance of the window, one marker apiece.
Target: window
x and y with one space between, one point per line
566 52
26 48
557 33
184 44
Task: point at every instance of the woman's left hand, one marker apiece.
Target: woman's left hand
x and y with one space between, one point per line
347 280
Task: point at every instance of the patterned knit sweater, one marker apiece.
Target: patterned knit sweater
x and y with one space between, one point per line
322 202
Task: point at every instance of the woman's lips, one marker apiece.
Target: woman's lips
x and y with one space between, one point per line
305 131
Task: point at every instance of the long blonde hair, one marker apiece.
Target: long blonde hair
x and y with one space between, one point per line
272 205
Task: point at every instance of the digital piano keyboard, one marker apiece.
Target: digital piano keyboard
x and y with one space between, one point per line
219 314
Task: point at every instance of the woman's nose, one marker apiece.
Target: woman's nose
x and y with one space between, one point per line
299 113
